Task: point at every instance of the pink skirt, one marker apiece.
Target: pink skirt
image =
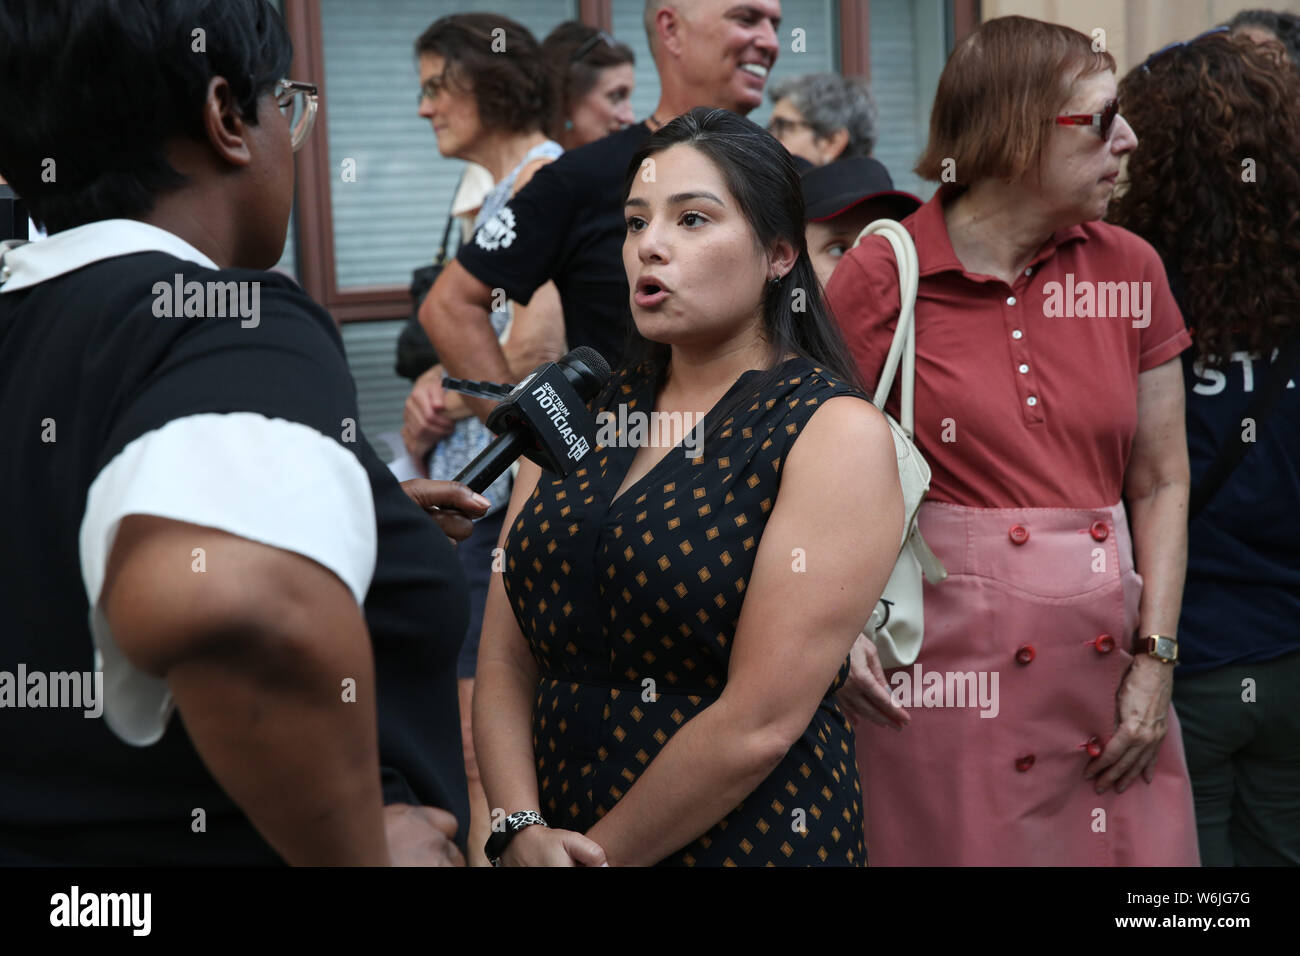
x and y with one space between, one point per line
1026 644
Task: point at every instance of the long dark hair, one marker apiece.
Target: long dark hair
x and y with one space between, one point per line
1230 242
573 76
761 175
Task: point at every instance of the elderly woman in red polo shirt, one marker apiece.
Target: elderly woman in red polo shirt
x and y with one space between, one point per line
1049 404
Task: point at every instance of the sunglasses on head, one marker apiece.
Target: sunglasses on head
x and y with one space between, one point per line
1145 67
1103 120
590 44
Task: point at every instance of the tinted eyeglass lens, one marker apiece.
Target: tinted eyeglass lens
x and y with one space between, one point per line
1108 115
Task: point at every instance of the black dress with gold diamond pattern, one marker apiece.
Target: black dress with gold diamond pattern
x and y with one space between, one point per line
650 586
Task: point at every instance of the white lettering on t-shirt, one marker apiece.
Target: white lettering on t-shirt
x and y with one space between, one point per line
1216 380
1213 381
1247 369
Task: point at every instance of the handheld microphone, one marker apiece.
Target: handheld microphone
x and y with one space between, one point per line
544 418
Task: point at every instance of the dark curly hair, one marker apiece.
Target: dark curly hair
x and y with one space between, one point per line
1284 26
1214 186
500 61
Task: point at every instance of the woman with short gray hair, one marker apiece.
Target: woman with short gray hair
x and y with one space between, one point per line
824 116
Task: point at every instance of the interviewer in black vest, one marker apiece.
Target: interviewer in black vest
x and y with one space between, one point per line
196 517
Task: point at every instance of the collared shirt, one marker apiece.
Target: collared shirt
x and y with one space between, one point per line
137 378
1026 394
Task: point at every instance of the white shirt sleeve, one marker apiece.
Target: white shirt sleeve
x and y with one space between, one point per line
269 480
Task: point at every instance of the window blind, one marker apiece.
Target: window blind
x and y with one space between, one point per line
388 221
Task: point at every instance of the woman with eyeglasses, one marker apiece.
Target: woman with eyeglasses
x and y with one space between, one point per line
1214 187
486 91
823 117
261 627
1036 727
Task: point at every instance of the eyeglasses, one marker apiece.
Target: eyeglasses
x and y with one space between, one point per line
1145 67
779 126
431 87
297 101
590 44
1103 120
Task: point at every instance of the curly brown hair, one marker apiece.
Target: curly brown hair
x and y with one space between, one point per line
1214 186
509 81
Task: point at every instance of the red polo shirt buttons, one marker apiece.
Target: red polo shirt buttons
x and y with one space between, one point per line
1104 644
1025 762
1018 534
1099 531
1025 654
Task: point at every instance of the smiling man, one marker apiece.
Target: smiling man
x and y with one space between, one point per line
567 224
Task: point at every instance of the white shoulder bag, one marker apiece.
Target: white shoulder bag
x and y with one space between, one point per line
897 624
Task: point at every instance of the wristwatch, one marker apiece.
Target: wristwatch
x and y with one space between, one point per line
1163 649
500 839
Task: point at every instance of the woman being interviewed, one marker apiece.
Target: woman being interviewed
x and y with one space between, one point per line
1048 394
660 656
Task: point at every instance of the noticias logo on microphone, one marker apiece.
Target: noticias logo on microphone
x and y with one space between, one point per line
558 413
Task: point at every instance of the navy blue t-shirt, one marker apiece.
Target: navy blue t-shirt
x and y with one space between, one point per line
1241 602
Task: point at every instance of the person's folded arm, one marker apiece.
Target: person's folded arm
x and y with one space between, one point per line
841 503
254 651
456 315
536 332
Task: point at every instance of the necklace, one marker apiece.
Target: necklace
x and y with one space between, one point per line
654 119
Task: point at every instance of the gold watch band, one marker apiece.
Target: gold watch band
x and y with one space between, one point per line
1160 646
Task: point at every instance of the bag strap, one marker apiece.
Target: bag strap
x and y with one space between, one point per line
903 348
1261 407
441 258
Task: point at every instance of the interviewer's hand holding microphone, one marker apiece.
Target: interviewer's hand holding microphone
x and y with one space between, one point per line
423 836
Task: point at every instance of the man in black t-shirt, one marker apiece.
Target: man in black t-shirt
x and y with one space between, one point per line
567 224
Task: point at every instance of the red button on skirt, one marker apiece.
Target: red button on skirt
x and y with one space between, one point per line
1018 534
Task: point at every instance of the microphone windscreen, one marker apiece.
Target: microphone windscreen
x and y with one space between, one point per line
595 362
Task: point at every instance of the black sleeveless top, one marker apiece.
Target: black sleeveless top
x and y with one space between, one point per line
629 608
